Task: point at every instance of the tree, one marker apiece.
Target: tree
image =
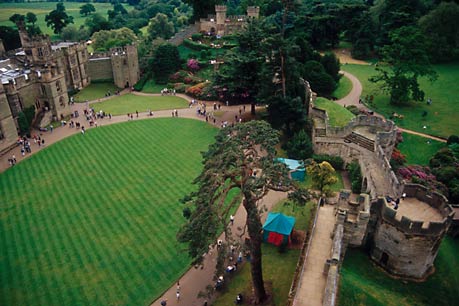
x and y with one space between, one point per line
10 38
299 146
160 26
241 158
71 33
104 40
408 60
331 65
31 18
201 8
166 61
17 18
442 33
87 9
322 175
58 18
96 23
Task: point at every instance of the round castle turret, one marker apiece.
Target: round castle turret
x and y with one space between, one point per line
406 240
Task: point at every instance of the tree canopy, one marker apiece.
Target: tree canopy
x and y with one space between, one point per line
58 19
87 9
166 61
241 158
104 40
408 60
160 26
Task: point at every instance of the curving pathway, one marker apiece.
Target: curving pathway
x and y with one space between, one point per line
353 99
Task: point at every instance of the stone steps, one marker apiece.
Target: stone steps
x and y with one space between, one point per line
361 141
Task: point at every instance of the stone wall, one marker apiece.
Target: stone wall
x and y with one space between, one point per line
100 68
334 263
408 247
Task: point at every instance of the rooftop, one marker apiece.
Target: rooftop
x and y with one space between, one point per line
417 210
368 131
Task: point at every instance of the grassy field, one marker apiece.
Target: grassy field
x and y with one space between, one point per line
130 103
41 9
98 225
343 89
441 118
151 87
362 283
338 115
95 91
418 150
278 268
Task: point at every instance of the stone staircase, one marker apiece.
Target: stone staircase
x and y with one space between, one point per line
361 141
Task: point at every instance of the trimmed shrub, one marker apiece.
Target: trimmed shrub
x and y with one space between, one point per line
196 37
336 161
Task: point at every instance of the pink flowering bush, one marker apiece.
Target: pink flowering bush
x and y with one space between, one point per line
422 175
193 64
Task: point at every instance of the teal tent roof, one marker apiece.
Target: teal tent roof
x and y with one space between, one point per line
292 164
279 223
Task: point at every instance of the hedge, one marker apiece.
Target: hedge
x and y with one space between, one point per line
195 46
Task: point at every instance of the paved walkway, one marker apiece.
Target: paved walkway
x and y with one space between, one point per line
311 287
196 280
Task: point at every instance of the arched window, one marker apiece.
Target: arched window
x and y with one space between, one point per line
58 86
61 101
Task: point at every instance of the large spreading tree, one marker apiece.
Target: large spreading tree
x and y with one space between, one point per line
58 19
407 60
241 158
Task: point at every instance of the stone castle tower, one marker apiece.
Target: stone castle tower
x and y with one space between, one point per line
125 66
405 242
220 16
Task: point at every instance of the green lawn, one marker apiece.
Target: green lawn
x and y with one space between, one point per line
95 91
441 118
98 224
41 9
278 268
362 283
343 89
151 87
418 150
338 115
129 103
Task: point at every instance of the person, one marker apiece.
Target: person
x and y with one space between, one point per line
219 243
403 196
239 258
239 299
232 219
82 130
178 294
163 302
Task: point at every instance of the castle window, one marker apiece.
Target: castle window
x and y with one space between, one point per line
76 74
61 101
124 62
58 86
72 60
1 133
40 52
43 90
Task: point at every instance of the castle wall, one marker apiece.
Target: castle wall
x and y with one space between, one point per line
100 69
403 246
8 131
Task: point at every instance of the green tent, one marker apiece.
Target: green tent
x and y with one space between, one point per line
277 228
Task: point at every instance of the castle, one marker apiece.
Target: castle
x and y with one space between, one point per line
42 75
221 24
404 240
